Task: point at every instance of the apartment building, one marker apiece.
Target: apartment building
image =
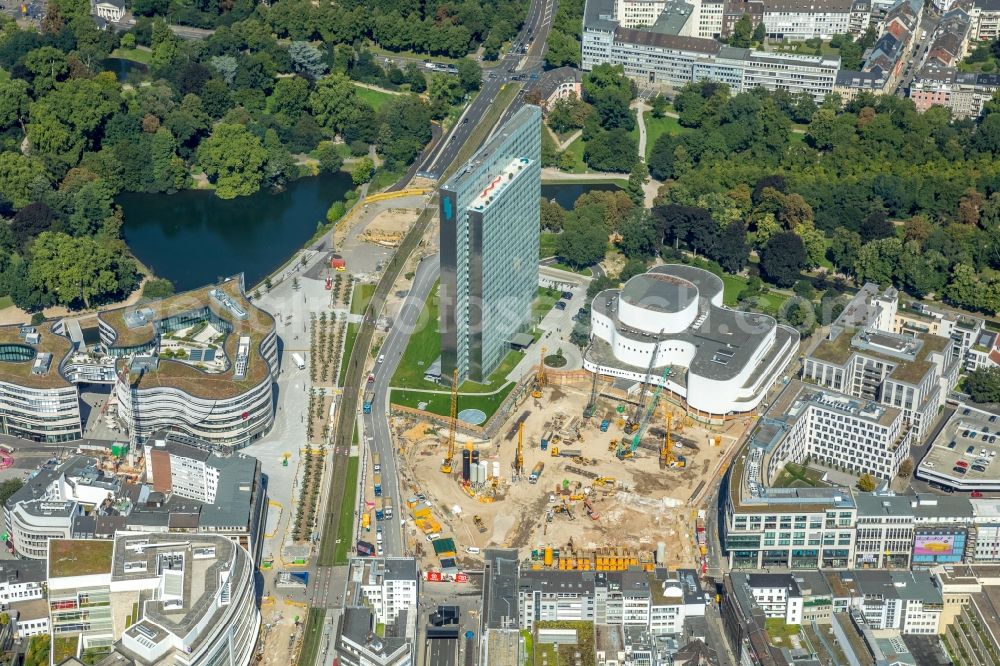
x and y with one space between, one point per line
778 595
389 586
658 601
985 16
909 602
380 591
799 20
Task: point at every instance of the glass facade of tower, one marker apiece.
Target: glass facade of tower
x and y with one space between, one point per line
489 213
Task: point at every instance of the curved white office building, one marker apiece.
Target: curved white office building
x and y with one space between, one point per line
671 320
201 363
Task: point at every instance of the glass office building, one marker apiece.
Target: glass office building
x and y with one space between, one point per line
489 248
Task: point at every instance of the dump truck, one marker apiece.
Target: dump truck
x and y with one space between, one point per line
377 463
377 482
369 394
388 508
605 424
566 453
480 525
545 440
380 508
536 472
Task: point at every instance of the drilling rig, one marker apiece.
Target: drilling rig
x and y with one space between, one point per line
519 458
452 423
536 388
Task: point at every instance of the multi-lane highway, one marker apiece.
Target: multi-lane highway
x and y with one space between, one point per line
537 25
376 424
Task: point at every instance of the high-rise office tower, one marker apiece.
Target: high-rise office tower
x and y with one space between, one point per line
489 248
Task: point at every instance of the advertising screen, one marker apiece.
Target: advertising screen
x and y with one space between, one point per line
934 545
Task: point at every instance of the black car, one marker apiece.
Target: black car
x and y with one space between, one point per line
978 468
568 295
560 305
959 470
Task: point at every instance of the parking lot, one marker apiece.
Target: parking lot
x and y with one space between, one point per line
964 453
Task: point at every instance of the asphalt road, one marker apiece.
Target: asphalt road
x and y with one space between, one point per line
376 424
538 24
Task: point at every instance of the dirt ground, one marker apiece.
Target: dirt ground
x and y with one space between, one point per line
648 504
280 633
388 227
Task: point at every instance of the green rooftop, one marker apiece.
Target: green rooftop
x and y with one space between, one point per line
79 557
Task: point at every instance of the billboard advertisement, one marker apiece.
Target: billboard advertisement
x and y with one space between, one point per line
934 545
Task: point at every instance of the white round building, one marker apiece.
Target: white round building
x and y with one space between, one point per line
720 361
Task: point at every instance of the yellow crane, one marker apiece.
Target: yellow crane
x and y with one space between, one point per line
519 459
452 422
536 389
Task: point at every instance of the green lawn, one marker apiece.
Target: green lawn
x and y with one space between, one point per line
345 528
547 244
359 299
658 126
734 284
575 150
352 335
382 179
312 632
780 632
797 476
376 98
6 302
423 348
138 55
579 271
440 403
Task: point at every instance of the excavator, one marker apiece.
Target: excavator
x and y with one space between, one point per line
446 465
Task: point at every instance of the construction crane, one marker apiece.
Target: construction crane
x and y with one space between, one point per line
519 458
452 423
591 407
627 451
632 424
536 389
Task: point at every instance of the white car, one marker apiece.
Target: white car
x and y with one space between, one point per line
378 537
379 550
381 357
472 550
433 536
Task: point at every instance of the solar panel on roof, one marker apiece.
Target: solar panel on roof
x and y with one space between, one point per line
209 355
195 355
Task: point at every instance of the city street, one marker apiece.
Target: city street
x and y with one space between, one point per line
376 425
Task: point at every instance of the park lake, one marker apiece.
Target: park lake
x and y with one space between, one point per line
192 237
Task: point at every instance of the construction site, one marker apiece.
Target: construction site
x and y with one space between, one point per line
582 475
